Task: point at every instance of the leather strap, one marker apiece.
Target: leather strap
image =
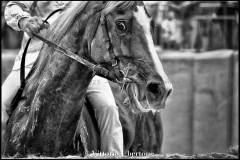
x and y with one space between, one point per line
118 73
106 39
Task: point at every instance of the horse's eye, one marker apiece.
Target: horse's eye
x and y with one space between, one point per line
121 26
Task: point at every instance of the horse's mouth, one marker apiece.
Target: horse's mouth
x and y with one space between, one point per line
140 101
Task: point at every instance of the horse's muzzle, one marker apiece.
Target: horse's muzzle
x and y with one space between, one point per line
157 93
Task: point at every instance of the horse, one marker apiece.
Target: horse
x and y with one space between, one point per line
53 116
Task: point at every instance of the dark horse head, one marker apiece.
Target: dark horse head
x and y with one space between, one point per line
130 34
46 118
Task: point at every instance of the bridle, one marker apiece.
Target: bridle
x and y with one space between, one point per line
119 74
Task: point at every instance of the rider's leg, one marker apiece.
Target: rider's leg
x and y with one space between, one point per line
101 97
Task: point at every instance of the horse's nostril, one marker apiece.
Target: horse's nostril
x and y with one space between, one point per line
169 92
153 88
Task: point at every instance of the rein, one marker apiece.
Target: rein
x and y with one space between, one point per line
97 69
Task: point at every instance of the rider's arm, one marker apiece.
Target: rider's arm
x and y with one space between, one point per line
15 11
17 15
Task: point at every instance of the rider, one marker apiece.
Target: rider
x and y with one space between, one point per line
27 16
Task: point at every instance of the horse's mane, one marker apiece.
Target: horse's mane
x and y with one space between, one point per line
62 25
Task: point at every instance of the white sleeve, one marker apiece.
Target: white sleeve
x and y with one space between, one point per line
15 10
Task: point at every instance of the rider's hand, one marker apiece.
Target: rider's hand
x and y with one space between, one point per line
32 25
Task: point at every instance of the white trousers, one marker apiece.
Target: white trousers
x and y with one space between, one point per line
100 96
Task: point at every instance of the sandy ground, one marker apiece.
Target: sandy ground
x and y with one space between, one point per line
232 153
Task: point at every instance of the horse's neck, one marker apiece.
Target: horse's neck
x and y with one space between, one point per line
74 40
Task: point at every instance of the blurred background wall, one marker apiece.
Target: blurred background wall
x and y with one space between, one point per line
202 113
197 42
